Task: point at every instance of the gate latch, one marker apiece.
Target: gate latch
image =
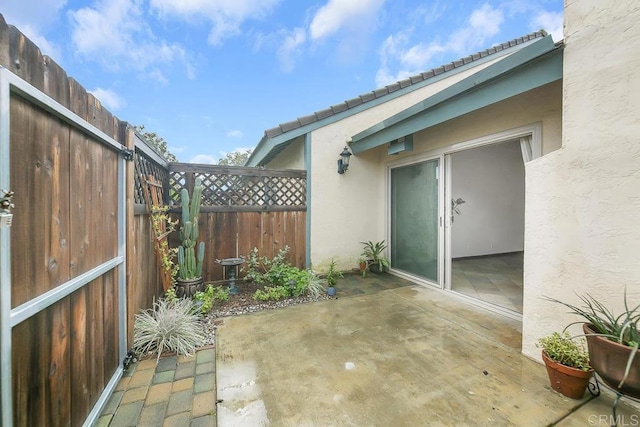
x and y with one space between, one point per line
5 208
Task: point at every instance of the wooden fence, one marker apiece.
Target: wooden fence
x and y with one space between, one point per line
61 316
242 208
67 307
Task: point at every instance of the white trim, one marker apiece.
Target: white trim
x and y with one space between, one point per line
533 130
441 219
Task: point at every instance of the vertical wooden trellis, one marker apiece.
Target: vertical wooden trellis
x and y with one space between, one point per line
152 191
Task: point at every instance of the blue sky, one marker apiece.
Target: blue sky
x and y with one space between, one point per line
210 76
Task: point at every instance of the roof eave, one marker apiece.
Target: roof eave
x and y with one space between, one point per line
405 122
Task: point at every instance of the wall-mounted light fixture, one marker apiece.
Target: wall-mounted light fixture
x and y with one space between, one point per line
343 161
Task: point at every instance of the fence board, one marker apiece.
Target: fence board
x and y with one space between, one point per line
79 356
40 232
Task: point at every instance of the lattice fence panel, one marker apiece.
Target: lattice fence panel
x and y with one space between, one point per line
241 187
145 166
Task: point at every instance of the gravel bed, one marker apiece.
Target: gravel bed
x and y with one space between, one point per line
243 303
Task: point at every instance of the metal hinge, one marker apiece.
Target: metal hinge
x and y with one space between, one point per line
127 154
5 205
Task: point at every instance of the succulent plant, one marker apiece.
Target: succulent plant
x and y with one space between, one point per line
190 265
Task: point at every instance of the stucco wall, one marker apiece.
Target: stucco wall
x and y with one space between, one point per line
291 157
350 208
541 105
582 230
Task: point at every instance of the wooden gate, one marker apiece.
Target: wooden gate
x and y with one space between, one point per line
62 261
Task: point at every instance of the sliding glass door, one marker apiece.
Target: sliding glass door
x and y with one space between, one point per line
414 220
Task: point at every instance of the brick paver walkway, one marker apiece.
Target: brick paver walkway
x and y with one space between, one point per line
179 391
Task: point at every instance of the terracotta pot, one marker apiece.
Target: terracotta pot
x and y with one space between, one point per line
186 288
609 359
363 266
569 381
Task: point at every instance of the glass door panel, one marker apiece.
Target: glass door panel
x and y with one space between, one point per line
414 219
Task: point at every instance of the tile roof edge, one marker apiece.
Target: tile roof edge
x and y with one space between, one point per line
395 86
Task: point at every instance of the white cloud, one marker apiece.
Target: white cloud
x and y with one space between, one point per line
115 33
108 98
235 134
225 16
191 71
46 47
336 14
291 47
552 22
157 75
396 51
204 159
32 18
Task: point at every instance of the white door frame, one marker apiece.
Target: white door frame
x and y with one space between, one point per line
408 161
533 130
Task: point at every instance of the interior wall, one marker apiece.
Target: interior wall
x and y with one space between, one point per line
491 181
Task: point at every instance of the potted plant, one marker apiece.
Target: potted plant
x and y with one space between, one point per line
332 277
373 252
189 280
362 263
613 342
567 364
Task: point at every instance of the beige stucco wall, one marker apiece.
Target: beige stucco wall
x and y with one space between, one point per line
350 208
541 105
582 230
291 157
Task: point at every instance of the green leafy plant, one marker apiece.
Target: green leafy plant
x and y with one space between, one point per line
564 350
190 266
273 293
315 285
622 328
170 294
210 296
373 252
163 225
168 326
257 268
333 274
281 279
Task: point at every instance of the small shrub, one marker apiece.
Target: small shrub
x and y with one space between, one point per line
564 350
273 293
333 275
168 326
256 267
315 285
210 296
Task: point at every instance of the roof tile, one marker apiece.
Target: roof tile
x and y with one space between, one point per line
368 97
339 108
353 102
380 92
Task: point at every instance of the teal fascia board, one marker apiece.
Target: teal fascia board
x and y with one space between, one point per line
533 66
307 166
400 145
267 145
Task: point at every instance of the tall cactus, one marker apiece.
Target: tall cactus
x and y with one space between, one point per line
190 266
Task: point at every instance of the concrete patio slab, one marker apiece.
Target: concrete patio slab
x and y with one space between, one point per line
409 356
